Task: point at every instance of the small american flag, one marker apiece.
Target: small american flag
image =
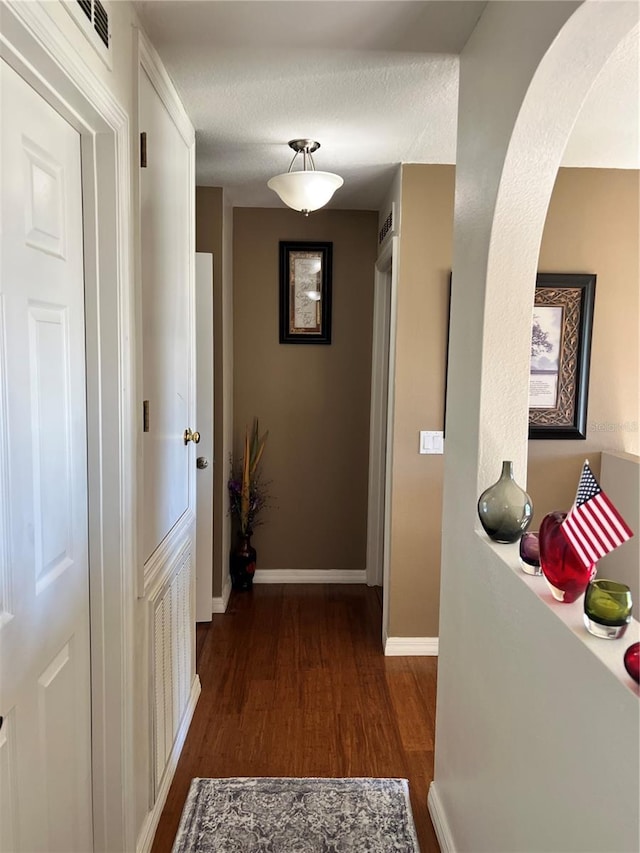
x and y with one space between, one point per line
593 526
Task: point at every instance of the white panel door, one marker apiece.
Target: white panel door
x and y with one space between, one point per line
168 345
204 409
45 694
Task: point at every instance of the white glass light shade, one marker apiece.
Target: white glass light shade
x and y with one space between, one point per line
305 190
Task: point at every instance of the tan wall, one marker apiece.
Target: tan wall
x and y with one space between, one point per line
592 226
209 208
313 399
423 294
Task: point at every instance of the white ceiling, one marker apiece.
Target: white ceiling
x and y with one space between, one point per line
374 81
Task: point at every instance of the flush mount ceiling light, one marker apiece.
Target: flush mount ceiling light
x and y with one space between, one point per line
305 190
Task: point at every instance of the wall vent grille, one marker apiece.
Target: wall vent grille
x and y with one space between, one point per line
387 226
99 18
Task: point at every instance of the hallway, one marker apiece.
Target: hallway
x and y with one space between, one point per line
294 683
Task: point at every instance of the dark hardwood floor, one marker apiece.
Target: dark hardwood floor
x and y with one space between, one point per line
294 683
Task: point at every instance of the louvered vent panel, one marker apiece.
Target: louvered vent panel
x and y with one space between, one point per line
178 666
159 684
168 673
99 17
185 646
174 653
101 22
172 656
386 227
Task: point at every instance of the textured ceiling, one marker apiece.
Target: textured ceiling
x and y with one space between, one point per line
375 82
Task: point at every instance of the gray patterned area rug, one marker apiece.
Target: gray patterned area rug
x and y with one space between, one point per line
287 815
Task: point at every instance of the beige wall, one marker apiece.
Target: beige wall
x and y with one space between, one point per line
423 293
592 226
209 207
313 399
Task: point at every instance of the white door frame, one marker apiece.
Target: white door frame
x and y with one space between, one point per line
204 419
32 44
381 423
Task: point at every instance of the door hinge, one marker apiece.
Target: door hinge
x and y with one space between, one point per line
145 416
143 149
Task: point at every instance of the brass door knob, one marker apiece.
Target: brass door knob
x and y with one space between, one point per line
191 436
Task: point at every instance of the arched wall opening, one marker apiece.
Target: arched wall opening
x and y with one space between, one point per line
518 688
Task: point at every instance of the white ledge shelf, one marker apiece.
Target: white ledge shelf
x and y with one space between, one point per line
608 652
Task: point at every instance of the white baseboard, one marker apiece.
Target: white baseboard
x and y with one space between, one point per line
416 646
439 821
310 576
148 831
219 603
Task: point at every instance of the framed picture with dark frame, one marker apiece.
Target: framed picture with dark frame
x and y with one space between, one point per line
560 355
305 292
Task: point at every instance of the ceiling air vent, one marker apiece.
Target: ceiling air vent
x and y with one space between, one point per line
99 18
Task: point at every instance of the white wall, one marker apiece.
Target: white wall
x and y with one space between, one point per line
523 694
122 18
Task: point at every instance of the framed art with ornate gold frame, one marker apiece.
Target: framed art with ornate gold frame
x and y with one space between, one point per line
560 355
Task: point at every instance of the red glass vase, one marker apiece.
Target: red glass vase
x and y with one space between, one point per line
565 574
632 661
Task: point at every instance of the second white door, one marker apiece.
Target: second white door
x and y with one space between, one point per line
167 322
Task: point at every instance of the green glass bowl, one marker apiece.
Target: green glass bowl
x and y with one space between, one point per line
607 608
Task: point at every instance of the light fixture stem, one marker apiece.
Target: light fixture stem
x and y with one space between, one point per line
305 153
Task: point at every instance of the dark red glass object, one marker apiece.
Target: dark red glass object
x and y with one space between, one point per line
564 572
632 661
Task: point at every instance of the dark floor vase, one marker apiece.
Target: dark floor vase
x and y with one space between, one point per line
505 510
242 564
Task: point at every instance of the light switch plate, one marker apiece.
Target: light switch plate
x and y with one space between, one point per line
431 441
